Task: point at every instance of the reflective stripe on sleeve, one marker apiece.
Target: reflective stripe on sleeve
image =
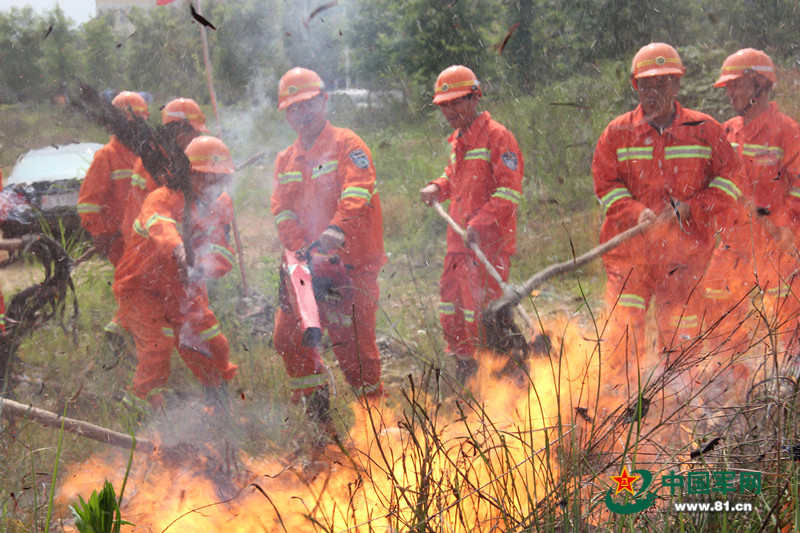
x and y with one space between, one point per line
469 315
285 215
159 218
356 192
508 194
210 333
138 181
137 227
726 186
289 177
122 174
224 252
614 195
89 208
144 230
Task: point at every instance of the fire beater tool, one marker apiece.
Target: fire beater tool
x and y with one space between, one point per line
501 332
517 292
499 327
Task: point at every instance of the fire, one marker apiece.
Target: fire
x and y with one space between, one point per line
464 462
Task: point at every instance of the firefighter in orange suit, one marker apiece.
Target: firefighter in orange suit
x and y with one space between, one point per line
659 157
324 190
758 249
162 299
104 191
104 195
142 183
484 185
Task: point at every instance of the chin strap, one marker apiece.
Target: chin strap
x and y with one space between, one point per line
754 99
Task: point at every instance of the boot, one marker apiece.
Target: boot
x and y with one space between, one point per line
117 345
465 369
215 399
317 406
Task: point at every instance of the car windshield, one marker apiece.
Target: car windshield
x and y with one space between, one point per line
54 163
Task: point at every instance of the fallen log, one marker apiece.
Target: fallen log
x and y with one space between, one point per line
12 409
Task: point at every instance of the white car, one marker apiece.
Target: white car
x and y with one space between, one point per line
41 193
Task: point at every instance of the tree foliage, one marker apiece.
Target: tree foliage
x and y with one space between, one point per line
378 44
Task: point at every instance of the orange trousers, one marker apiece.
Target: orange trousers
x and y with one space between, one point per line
352 334
159 324
733 279
629 292
465 289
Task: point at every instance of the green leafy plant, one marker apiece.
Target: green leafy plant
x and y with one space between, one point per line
100 514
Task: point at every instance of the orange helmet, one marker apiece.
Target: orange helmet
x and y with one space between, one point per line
185 109
744 63
656 59
131 102
297 85
209 154
454 82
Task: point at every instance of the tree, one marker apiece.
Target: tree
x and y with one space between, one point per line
104 65
21 35
245 48
60 61
164 55
412 41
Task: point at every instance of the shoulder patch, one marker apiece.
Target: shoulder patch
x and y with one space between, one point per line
510 160
359 158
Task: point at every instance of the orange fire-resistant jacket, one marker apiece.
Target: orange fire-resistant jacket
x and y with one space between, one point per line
330 184
148 265
770 150
484 185
635 167
141 185
104 193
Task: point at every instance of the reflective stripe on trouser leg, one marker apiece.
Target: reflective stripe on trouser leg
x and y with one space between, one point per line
465 288
211 363
627 300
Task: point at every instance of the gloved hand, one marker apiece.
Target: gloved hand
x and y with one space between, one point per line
473 237
429 194
331 239
647 215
